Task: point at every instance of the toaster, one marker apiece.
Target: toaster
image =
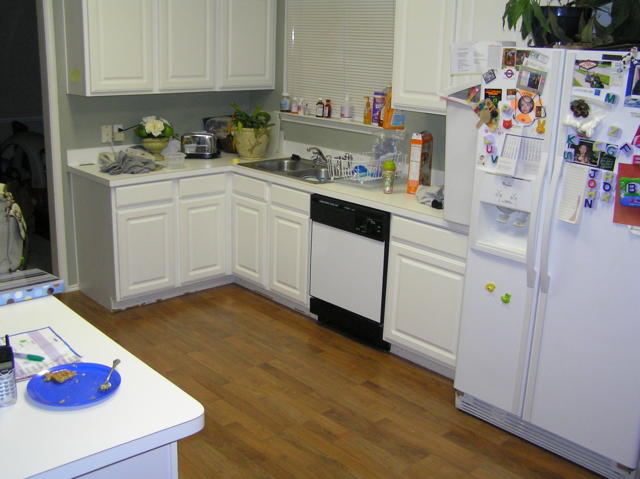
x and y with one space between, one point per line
199 144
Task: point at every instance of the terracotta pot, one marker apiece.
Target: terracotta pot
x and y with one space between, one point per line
155 146
251 143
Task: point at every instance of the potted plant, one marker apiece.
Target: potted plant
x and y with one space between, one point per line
155 133
573 22
251 132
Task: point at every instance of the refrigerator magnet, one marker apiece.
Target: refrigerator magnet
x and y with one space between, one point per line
531 80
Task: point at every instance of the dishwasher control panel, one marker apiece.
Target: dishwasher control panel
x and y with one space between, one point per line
351 217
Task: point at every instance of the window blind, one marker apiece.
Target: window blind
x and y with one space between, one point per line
336 47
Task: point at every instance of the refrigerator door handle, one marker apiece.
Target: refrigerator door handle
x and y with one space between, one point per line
546 228
533 221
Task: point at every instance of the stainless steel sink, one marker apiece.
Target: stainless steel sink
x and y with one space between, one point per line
313 175
292 167
280 165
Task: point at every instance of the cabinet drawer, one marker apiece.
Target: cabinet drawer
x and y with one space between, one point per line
202 185
429 236
243 185
146 193
290 198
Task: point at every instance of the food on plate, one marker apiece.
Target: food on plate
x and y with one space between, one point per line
60 376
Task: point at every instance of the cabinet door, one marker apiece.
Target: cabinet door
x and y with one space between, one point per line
247 44
289 258
249 221
202 229
423 36
146 249
186 44
424 298
121 53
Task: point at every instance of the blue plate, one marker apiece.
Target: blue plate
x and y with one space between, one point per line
81 390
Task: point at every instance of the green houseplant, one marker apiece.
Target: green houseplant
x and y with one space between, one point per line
574 22
251 132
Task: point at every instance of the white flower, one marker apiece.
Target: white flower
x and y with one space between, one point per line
154 127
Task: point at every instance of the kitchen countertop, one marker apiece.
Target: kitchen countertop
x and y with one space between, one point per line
399 202
146 412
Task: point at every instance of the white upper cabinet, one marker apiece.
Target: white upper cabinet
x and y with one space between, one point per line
186 42
153 46
247 44
423 36
424 33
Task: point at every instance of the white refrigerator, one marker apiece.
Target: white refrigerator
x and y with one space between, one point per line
549 344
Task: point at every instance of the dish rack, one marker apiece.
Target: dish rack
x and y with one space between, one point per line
364 168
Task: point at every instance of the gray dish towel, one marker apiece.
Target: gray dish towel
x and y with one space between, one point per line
130 160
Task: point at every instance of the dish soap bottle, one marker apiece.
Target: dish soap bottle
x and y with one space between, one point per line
367 112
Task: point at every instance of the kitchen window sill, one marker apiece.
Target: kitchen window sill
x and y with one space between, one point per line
333 123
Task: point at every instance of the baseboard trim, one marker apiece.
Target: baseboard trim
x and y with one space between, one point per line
545 439
430 364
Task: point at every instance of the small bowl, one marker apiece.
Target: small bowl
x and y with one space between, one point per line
175 160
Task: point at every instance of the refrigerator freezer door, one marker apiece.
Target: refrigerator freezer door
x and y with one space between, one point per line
491 353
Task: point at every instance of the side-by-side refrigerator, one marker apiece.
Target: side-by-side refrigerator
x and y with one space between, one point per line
549 345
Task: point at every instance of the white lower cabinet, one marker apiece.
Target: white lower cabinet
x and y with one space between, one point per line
289 236
146 249
424 290
202 214
145 241
249 239
271 237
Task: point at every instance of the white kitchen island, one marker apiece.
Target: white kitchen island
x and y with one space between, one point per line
132 434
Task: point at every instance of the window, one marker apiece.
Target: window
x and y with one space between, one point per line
336 47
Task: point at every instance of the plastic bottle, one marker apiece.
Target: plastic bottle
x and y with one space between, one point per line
319 108
301 110
376 107
366 119
388 176
392 119
294 105
327 108
386 105
285 102
346 112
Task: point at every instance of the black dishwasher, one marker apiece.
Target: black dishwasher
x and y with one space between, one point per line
349 251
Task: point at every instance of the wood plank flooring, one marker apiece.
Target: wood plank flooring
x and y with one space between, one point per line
286 398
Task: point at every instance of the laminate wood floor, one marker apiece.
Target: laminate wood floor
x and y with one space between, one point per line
286 398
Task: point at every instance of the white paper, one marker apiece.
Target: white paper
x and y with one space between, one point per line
575 178
41 342
463 59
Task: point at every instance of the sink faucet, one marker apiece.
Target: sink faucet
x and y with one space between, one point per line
317 156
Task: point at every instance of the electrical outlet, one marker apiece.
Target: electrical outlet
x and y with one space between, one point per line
107 133
118 135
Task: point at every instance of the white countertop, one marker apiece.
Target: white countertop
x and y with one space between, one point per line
399 202
147 411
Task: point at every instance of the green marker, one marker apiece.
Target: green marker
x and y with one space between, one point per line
30 357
